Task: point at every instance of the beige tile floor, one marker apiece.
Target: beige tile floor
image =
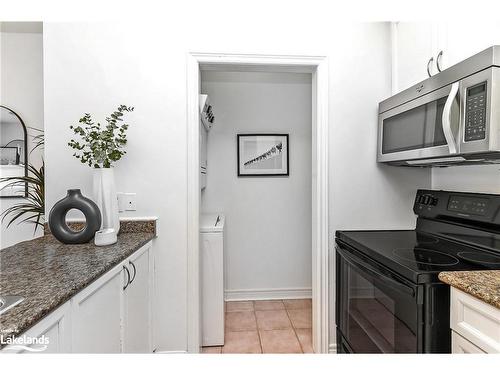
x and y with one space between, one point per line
277 326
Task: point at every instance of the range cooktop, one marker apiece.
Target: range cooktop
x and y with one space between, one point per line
454 232
419 256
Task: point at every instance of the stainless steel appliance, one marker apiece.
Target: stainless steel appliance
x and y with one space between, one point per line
388 295
450 118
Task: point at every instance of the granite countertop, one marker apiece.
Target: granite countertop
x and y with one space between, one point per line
48 273
484 285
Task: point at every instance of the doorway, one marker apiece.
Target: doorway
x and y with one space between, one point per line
317 68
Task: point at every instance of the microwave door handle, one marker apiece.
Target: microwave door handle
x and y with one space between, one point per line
365 267
446 120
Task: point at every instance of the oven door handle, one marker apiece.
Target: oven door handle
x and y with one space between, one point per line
372 271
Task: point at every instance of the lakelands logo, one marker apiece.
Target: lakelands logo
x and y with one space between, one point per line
30 344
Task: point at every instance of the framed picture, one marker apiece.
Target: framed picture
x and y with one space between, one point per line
9 155
263 155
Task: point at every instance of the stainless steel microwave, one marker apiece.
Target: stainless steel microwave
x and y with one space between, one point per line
450 118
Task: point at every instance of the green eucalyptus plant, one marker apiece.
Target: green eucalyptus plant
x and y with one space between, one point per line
100 147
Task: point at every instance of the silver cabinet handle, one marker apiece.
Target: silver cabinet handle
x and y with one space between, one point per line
446 120
135 271
438 61
128 277
429 66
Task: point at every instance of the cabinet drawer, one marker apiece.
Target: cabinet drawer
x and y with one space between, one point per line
459 345
476 321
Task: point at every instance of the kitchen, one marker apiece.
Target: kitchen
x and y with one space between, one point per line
155 173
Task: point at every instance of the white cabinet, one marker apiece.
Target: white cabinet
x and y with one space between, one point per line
138 304
111 315
114 314
418 45
414 45
459 345
97 315
474 321
461 42
54 331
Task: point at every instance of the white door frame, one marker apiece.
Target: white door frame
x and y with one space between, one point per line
318 66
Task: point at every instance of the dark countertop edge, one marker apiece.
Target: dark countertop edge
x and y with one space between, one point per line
58 304
127 225
447 278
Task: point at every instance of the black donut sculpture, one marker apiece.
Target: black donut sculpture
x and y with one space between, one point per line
57 218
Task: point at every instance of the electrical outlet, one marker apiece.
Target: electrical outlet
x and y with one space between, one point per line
127 202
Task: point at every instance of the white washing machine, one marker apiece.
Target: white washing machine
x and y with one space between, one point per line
212 278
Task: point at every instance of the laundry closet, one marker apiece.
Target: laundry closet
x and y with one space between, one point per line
255 207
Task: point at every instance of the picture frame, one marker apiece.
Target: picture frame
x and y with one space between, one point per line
9 155
263 155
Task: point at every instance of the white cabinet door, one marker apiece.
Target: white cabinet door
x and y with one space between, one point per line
459 345
53 334
475 320
138 297
415 43
464 40
97 315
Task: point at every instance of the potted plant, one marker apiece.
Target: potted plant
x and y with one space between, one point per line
100 147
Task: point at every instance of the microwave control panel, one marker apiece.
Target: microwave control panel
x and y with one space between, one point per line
475 114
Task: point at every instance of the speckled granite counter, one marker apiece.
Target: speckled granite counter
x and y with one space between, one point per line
48 273
484 285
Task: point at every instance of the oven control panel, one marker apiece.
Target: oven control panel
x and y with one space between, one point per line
475 113
468 205
482 208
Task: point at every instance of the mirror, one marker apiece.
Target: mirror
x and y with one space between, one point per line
13 152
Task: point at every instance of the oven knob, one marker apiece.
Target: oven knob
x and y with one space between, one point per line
427 199
434 201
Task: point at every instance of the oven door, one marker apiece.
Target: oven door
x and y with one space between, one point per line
377 311
426 127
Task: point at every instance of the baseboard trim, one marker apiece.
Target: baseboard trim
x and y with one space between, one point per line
170 352
332 349
262 294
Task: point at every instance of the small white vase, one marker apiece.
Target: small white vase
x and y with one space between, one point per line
105 197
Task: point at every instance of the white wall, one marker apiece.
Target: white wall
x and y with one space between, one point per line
93 67
363 193
477 179
268 219
21 89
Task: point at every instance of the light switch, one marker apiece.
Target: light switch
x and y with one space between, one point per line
127 202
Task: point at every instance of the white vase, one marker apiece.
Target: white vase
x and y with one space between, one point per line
105 198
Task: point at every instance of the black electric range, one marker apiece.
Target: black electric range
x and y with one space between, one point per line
389 298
